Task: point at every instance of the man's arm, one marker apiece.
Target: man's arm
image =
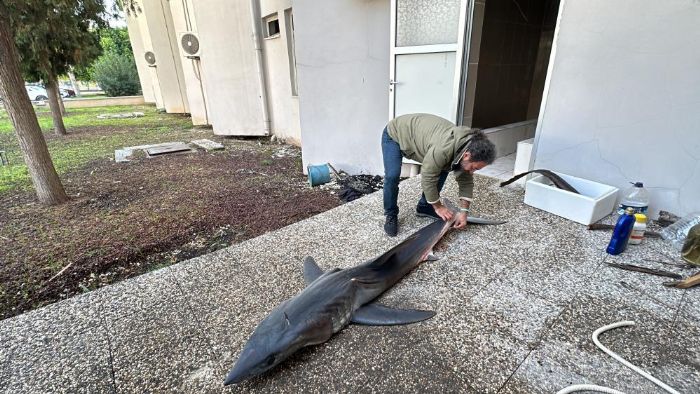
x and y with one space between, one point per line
465 181
433 165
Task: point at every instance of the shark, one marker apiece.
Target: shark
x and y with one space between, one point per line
333 299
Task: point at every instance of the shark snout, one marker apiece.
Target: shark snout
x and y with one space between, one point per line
243 368
234 376
238 373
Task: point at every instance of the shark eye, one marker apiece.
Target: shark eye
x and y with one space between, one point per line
270 360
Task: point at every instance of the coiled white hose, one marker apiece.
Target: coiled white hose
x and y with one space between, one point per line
590 387
622 360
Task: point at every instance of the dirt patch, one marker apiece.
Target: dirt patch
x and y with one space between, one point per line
125 219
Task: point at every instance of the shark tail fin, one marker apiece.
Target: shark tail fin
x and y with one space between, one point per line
470 219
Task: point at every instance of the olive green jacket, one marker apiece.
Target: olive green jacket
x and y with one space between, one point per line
436 143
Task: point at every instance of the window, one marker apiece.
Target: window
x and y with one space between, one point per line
272 26
289 30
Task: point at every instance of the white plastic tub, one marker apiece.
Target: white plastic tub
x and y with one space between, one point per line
596 200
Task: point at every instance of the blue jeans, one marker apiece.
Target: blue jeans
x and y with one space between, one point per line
391 153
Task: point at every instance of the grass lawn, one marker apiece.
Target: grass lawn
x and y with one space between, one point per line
89 138
124 219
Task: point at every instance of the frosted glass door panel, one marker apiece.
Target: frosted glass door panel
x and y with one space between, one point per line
426 22
425 83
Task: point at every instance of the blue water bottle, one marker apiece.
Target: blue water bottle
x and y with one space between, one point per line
621 234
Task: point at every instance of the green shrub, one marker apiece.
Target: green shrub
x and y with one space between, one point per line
116 74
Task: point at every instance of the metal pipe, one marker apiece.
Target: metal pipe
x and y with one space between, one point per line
257 40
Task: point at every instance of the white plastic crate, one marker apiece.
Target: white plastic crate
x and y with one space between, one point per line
409 168
522 159
596 200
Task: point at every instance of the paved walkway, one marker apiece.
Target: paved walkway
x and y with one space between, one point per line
516 305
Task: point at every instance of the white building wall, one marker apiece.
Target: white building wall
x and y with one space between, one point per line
184 21
136 39
165 47
623 98
343 71
229 67
284 106
140 18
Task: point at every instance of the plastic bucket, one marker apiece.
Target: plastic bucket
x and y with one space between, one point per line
318 175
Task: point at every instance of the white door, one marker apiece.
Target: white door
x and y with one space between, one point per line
427 45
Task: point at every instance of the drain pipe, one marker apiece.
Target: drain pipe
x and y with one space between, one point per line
257 40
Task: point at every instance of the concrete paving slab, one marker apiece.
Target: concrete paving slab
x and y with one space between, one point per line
556 365
481 349
690 308
631 288
163 350
513 303
142 294
174 147
208 144
59 348
520 314
567 355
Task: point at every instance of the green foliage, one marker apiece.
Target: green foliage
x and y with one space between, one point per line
116 40
116 74
97 140
113 41
53 35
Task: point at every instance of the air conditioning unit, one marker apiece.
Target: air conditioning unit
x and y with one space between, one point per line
150 58
189 43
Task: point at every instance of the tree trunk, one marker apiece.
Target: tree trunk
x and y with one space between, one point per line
31 141
60 103
74 83
55 105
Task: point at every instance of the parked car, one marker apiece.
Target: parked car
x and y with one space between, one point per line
65 92
36 93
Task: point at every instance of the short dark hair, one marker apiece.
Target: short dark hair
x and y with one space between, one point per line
480 148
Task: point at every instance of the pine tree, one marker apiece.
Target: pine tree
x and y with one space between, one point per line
54 35
49 189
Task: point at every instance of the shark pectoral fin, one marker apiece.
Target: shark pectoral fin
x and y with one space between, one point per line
431 257
379 315
311 270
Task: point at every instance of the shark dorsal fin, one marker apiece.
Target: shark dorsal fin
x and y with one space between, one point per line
311 270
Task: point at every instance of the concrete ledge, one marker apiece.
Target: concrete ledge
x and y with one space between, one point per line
516 305
103 101
506 137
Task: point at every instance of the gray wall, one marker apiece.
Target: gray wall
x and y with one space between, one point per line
284 106
141 67
183 21
163 43
342 51
623 97
229 67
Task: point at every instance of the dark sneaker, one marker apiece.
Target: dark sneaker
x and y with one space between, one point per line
391 226
427 211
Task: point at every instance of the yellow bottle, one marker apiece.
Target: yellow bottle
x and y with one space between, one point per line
640 225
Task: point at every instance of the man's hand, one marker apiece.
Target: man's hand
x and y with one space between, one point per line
443 212
461 220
